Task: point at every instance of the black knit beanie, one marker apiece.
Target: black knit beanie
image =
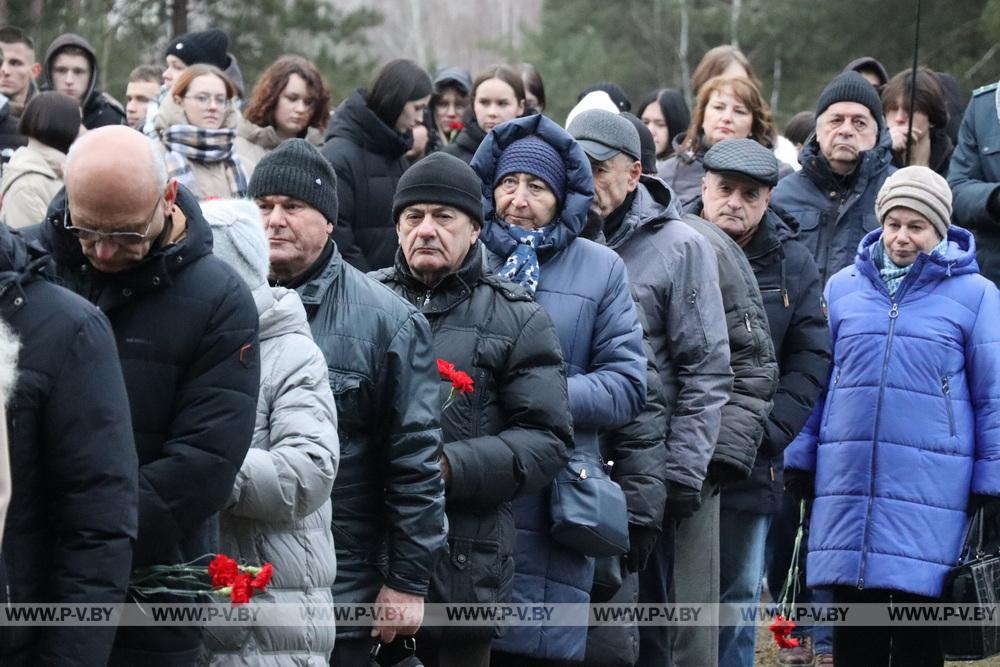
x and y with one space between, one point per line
443 179
851 87
647 145
298 170
206 46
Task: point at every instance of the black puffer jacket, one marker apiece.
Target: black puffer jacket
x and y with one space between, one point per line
467 142
186 328
73 513
10 138
751 356
512 435
99 108
388 498
793 297
368 157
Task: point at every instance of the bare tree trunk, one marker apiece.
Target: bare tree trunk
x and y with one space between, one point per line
776 87
682 53
418 30
179 17
734 25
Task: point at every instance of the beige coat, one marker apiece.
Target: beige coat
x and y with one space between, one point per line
253 142
30 180
212 178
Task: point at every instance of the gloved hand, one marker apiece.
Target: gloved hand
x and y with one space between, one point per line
682 501
800 484
641 541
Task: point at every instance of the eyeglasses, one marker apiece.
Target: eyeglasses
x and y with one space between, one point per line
204 100
122 238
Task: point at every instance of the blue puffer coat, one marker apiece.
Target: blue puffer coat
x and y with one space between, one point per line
584 288
834 213
910 425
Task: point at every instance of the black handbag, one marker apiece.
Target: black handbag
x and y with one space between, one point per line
409 658
975 580
588 509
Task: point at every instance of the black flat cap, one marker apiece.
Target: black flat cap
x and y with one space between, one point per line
744 157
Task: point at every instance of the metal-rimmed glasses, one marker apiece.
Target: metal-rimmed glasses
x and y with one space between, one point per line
123 238
204 100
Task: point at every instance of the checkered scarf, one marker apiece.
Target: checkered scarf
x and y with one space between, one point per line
187 142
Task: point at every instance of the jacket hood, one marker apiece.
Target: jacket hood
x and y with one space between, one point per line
571 217
355 122
959 259
817 168
283 313
70 39
654 204
868 63
453 75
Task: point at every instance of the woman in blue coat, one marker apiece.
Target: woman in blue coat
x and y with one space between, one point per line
907 439
537 187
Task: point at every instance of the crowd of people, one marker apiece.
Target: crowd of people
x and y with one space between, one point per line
254 292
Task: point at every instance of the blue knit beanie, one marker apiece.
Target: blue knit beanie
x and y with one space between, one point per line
532 155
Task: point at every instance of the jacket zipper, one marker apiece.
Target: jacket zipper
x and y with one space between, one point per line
836 381
946 389
893 316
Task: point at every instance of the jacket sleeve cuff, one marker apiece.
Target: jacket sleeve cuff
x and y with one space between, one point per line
986 477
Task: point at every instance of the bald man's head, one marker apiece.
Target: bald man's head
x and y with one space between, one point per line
116 182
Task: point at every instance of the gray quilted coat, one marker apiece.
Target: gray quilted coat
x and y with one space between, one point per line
279 511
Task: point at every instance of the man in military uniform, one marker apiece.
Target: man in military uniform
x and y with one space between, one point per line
974 177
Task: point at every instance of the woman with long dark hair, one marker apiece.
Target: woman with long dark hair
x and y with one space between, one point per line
367 142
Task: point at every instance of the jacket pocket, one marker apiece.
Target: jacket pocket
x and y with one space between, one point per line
946 391
346 389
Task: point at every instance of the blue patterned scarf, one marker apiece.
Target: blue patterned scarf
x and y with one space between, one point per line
522 264
893 274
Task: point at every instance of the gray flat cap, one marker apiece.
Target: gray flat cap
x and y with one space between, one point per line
603 135
744 157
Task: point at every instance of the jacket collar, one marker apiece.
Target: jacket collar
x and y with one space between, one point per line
871 163
314 292
453 288
958 259
655 204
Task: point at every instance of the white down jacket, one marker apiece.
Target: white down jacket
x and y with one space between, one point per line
279 510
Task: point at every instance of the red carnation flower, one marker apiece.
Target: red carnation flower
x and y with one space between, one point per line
456 125
263 577
242 589
223 570
782 628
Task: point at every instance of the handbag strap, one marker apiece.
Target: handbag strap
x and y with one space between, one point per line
973 538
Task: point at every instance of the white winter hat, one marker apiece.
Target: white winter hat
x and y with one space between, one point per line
595 100
239 239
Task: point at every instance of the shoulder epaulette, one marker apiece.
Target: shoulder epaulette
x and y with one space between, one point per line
985 89
510 291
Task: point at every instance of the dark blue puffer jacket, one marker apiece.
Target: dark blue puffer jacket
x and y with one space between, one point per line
584 288
834 213
910 424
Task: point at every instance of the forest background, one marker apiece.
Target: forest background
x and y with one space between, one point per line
795 46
